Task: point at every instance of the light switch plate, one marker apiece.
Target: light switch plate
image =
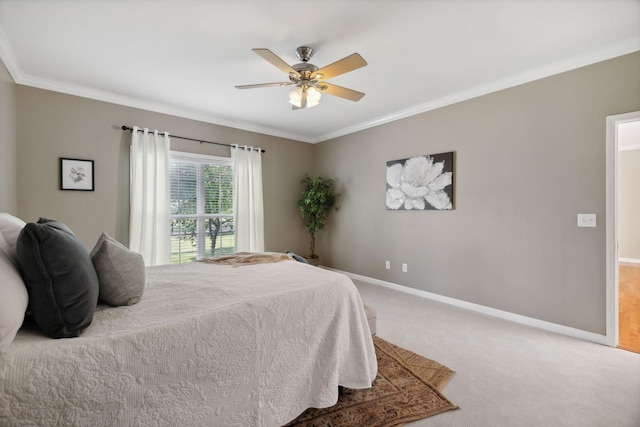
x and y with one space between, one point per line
586 220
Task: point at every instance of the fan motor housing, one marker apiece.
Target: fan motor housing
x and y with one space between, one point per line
304 66
305 73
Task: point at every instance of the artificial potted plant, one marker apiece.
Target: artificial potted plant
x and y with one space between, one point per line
318 198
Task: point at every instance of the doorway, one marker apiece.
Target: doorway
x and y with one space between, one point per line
623 132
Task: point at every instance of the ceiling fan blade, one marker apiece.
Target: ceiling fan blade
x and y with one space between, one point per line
303 99
263 85
344 65
340 91
275 60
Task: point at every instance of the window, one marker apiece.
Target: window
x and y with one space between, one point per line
201 198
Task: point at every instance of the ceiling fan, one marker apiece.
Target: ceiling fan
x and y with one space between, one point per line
309 80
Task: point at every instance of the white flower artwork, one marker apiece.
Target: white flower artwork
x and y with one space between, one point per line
420 183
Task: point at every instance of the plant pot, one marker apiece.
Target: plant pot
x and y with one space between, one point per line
313 261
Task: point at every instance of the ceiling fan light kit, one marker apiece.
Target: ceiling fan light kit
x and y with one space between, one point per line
309 79
304 97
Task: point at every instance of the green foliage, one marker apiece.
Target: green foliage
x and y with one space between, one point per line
211 186
318 198
217 192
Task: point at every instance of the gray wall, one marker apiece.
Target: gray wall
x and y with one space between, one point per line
51 125
629 204
8 199
528 160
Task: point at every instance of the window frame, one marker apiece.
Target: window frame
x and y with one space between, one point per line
200 216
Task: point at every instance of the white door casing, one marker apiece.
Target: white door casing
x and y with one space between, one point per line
612 222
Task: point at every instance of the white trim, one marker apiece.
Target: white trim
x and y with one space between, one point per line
627 47
630 147
611 284
611 231
524 320
629 260
198 158
144 104
8 57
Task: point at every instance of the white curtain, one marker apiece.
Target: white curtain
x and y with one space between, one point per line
149 223
247 199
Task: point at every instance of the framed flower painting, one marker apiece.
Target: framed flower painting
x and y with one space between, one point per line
420 183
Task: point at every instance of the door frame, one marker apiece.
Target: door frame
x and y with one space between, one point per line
612 309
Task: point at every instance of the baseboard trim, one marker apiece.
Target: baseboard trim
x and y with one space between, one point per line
524 320
629 260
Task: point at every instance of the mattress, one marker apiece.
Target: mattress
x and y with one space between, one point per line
208 345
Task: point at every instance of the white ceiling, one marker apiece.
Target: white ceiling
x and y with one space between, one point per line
185 57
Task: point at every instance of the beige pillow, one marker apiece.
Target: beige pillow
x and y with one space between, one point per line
14 297
121 272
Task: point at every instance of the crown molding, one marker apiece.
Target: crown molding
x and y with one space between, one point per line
610 52
8 57
157 107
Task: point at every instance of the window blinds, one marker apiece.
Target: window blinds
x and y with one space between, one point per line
201 207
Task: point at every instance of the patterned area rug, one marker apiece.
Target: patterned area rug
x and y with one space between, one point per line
407 388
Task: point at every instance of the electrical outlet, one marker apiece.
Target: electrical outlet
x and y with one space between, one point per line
404 268
387 265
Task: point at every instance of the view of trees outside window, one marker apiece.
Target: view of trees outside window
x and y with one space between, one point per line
201 208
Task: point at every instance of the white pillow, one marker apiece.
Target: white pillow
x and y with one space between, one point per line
10 227
13 297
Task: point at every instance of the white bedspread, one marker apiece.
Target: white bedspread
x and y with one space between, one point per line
208 345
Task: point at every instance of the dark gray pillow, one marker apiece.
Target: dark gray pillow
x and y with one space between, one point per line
297 257
60 278
121 272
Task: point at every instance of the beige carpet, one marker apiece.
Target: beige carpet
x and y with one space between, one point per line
407 388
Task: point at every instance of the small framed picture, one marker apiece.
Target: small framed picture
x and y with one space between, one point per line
76 174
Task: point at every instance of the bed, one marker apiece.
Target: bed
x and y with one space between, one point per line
207 345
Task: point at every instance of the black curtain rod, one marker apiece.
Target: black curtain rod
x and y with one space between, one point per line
125 127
